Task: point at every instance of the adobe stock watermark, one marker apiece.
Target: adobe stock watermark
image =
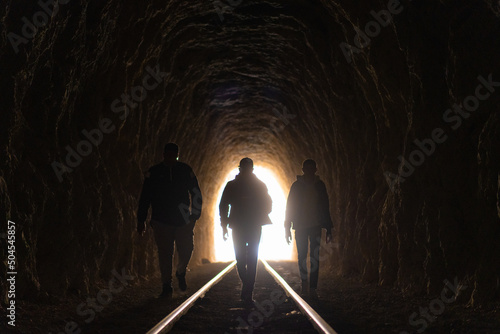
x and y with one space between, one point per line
196 202
317 256
122 106
282 119
221 7
104 297
453 116
263 311
48 8
11 266
372 29
436 306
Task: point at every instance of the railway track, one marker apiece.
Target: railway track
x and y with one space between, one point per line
210 310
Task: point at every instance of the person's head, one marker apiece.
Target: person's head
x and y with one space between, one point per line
246 166
170 153
309 167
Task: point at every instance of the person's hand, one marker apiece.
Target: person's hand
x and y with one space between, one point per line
225 234
328 237
288 235
141 227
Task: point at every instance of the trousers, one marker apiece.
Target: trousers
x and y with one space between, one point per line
303 237
166 236
246 250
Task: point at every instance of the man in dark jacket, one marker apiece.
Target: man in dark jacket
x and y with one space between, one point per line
250 205
172 190
308 211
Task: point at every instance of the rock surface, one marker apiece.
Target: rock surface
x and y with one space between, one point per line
270 80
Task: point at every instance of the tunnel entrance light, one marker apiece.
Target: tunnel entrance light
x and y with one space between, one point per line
272 244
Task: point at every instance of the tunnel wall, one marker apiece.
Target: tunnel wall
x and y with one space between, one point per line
269 80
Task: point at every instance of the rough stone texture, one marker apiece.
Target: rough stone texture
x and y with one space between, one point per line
269 81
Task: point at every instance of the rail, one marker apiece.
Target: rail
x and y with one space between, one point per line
321 325
166 324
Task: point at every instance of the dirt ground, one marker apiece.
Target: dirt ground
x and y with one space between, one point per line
347 305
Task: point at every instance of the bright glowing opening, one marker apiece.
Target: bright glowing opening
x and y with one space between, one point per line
273 245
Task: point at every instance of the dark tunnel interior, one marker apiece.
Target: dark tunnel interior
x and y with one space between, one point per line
398 102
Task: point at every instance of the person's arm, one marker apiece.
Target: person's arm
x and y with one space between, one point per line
144 203
325 208
290 206
196 198
268 202
224 210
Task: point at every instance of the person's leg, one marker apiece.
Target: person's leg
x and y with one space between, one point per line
240 252
253 240
184 244
164 237
301 240
315 242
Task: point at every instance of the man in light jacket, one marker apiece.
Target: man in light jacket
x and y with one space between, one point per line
250 205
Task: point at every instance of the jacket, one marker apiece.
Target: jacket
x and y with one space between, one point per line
172 192
249 201
308 205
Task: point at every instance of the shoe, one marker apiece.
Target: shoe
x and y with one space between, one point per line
304 289
249 302
246 294
243 291
166 291
313 293
182 281
247 298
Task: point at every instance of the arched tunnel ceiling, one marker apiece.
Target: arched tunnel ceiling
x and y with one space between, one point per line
267 79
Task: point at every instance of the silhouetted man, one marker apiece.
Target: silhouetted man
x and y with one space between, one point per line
308 210
172 190
250 205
